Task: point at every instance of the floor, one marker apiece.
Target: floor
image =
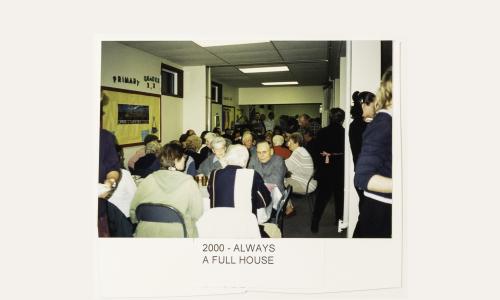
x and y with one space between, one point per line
299 225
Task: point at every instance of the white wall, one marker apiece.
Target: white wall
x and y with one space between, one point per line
230 95
194 108
281 95
342 84
365 64
120 60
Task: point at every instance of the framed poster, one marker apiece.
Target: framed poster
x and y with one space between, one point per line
130 115
228 117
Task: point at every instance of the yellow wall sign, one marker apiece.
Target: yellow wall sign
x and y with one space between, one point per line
131 115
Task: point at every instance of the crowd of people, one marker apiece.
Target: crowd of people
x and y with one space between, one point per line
245 163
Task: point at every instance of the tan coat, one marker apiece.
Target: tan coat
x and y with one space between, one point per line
173 188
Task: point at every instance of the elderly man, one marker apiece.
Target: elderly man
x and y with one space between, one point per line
305 122
212 162
271 167
235 186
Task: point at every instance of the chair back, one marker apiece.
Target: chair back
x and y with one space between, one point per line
161 213
280 212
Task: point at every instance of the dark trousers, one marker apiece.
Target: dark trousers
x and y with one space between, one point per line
328 185
375 220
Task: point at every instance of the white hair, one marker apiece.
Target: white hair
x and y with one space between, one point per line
236 155
209 137
278 140
218 142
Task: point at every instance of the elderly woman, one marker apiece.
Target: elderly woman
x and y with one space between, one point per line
300 166
248 142
172 187
149 163
278 141
206 148
192 146
212 162
236 186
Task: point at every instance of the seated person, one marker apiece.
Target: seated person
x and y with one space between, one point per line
190 168
247 141
192 146
235 186
300 166
149 163
206 149
141 152
228 134
169 186
271 167
278 141
212 162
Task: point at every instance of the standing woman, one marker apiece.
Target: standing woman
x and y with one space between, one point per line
373 173
362 112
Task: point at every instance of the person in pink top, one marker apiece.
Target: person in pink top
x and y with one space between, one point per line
141 152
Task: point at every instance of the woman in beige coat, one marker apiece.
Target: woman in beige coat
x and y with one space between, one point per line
169 186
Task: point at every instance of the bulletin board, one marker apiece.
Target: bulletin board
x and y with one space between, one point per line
131 115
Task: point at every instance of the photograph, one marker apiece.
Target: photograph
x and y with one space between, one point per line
309 155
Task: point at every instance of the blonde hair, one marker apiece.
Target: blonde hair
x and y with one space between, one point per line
278 140
193 142
153 147
384 93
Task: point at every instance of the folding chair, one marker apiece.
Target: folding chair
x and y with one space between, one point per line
280 212
162 213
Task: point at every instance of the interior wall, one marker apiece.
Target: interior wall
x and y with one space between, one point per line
281 95
336 102
229 98
121 60
342 83
194 109
365 64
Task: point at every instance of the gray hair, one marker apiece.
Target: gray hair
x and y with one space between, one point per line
236 155
218 142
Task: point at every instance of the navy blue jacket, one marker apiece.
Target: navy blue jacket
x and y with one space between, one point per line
376 153
225 192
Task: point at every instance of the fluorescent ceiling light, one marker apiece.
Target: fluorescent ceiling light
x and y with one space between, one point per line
265 69
281 83
225 43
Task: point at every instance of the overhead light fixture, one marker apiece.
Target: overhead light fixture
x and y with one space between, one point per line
265 69
281 83
226 43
